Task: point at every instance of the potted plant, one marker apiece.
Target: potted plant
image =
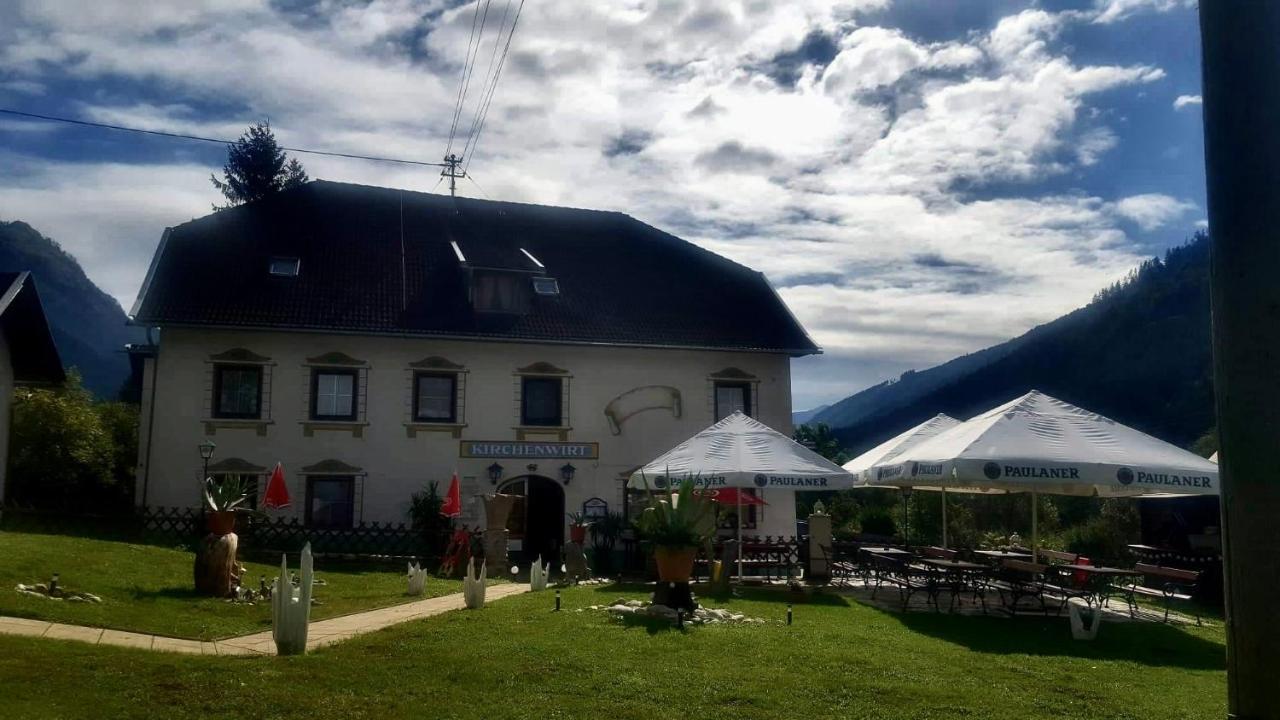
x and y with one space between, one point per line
676 526
605 532
222 498
578 524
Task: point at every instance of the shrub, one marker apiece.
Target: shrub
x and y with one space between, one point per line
876 521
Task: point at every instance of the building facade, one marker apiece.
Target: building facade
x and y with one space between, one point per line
535 351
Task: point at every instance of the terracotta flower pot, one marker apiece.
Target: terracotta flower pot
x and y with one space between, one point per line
578 534
221 523
674 564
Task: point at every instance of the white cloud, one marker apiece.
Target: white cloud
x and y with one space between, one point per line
1152 210
1185 100
841 188
1110 11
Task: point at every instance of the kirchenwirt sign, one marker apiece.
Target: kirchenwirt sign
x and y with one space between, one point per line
528 450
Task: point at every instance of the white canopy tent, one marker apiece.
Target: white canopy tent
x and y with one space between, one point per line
1036 443
868 463
742 452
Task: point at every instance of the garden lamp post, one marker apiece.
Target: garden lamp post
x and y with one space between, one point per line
206 453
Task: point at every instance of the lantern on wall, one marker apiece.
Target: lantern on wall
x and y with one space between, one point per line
566 472
495 473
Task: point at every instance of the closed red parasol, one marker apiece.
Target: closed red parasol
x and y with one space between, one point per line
277 495
452 506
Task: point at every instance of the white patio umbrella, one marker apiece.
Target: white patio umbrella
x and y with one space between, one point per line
1036 443
742 452
864 465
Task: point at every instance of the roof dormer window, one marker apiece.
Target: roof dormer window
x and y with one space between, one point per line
546 286
284 266
500 292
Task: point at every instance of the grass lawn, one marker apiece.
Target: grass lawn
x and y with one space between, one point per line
149 589
517 659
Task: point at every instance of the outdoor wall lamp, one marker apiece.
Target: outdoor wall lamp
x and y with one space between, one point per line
495 473
566 472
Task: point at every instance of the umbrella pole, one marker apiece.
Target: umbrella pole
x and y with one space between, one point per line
740 578
1035 531
944 517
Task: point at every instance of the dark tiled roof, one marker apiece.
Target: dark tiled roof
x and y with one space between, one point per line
621 281
32 352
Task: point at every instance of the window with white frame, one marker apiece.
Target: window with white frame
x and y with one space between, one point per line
333 394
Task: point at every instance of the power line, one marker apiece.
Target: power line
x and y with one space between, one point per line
502 61
488 75
466 62
469 68
181 136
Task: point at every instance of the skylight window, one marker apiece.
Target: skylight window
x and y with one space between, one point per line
546 286
284 266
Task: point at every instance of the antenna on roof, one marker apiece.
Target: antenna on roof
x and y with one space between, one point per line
451 163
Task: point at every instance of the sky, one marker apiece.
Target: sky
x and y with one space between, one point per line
918 179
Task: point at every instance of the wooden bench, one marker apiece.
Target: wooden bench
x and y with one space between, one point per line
939 553
901 574
840 570
1163 582
1019 579
1052 557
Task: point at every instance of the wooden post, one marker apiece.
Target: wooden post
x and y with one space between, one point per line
1242 157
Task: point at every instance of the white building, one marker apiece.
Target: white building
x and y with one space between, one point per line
374 340
28 355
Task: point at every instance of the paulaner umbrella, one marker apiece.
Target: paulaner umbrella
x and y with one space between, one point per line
741 452
1036 443
863 466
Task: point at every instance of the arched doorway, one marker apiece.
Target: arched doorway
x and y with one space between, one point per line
537 519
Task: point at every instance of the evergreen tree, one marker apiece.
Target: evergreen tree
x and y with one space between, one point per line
256 167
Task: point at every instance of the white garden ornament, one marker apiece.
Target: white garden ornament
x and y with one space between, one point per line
291 607
538 574
417 579
473 587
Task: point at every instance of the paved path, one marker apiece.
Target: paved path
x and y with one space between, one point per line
319 634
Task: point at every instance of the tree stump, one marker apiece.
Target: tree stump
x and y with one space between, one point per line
215 568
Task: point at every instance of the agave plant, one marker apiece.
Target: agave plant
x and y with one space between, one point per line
226 494
577 519
685 519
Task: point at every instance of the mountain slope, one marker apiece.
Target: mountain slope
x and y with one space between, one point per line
1139 353
88 325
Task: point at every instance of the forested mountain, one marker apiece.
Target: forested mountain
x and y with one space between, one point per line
1139 353
88 324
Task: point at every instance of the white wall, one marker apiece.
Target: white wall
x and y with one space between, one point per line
397 465
6 397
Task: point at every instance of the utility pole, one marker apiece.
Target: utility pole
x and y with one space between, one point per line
1241 63
450 171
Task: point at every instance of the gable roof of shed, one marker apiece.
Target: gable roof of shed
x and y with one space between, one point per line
32 351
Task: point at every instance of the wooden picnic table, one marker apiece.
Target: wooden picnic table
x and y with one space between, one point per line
1003 554
960 576
890 551
1098 583
954 565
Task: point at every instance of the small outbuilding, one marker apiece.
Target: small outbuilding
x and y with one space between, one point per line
28 355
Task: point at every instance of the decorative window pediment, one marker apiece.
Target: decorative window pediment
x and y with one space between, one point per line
235 466
240 355
732 373
542 368
435 362
336 358
331 467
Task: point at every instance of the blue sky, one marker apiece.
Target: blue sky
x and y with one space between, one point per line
919 179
